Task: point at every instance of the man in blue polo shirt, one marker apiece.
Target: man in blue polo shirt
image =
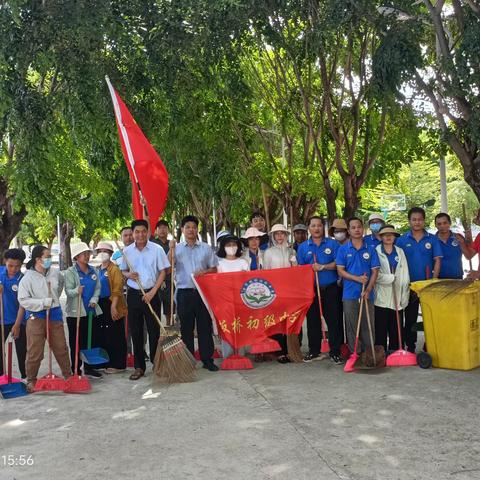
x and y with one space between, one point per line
13 313
424 258
320 252
453 246
358 265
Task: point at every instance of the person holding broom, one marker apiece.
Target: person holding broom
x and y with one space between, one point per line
193 257
114 308
13 314
38 291
358 265
320 252
82 279
144 265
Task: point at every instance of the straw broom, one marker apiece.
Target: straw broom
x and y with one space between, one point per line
173 362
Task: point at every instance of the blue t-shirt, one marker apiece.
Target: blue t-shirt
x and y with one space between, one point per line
356 262
253 258
89 282
451 266
371 240
326 252
10 295
104 284
420 255
392 259
56 314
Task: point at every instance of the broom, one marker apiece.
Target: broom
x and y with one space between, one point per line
49 382
173 362
377 359
4 378
350 363
325 348
76 383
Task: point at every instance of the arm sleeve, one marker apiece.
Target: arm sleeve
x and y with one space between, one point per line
96 292
375 261
301 256
116 286
25 299
340 258
437 248
61 284
71 284
212 260
162 259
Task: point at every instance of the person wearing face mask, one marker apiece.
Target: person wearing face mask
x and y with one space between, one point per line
253 254
339 231
13 314
375 223
114 308
39 290
82 279
230 260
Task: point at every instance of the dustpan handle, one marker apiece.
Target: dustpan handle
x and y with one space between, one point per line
2 320
89 339
9 379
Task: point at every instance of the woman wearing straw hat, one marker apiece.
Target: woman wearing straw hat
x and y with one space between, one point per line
114 308
82 279
339 231
39 290
253 254
393 274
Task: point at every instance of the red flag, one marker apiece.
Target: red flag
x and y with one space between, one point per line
250 306
145 167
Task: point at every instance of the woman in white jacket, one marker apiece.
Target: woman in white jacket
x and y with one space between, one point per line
392 289
38 292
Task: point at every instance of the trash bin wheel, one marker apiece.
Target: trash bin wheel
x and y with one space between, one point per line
424 360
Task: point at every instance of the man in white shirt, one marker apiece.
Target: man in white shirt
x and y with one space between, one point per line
148 264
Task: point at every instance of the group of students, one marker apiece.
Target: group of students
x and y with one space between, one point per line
348 265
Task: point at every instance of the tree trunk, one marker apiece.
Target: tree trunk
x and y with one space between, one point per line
352 200
66 233
11 220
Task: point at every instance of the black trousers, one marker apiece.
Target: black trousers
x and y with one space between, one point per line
191 309
411 316
331 312
164 296
113 336
386 327
83 339
138 315
20 348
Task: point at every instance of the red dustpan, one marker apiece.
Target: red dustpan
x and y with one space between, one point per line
401 357
266 345
4 378
325 346
77 383
350 363
50 382
236 362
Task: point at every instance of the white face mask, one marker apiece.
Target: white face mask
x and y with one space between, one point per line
231 250
339 236
104 256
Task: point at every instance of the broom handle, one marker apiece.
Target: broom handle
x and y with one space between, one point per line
9 379
90 328
397 315
468 232
324 336
172 274
2 320
369 323
139 283
77 343
359 320
47 321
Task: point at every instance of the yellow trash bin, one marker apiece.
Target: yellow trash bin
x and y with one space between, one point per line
451 323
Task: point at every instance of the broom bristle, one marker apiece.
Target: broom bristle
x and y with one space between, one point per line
293 347
173 362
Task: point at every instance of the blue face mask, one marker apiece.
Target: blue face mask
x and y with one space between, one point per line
375 227
47 263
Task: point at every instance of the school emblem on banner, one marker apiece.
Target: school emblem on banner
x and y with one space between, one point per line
257 293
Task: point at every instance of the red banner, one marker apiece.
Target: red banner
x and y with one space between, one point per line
250 306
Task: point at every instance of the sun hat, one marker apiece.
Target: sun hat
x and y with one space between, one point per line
278 227
252 232
339 224
388 229
79 248
376 216
104 246
300 226
221 234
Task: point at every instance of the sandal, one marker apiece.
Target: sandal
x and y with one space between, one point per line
283 359
138 373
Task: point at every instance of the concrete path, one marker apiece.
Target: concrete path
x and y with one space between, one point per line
307 421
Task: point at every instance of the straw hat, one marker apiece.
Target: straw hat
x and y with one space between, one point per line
388 229
252 232
104 246
278 227
79 248
375 216
300 226
339 224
